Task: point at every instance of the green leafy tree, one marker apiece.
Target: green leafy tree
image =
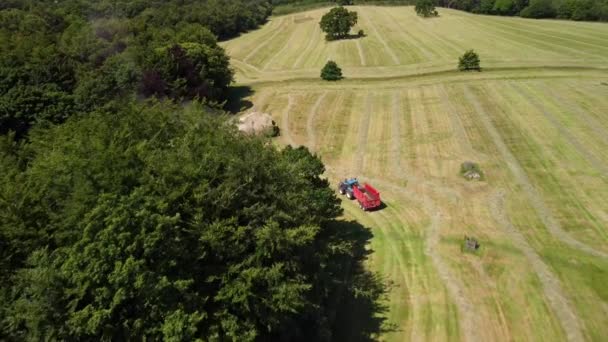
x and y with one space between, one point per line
469 61
486 6
425 8
539 9
188 70
337 23
157 222
504 7
331 71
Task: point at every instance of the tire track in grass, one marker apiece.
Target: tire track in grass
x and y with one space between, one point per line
563 131
473 24
387 229
549 221
590 121
285 122
408 273
549 46
363 134
459 131
287 45
382 41
468 326
265 42
408 36
538 33
310 121
395 150
559 303
313 39
448 43
361 54
433 232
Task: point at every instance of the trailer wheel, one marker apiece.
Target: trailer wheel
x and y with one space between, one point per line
349 195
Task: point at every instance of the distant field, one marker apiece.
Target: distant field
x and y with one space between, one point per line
536 120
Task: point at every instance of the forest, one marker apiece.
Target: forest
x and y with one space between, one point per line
588 10
130 209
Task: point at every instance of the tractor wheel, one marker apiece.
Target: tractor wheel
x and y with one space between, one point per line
349 196
342 192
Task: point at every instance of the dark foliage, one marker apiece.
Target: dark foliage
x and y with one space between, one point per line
539 9
425 8
125 219
337 23
331 71
469 61
59 58
162 223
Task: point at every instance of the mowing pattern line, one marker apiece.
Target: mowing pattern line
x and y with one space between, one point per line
363 134
313 37
408 36
287 45
459 131
285 122
361 54
563 131
395 149
453 285
260 46
555 295
382 41
588 119
535 198
310 130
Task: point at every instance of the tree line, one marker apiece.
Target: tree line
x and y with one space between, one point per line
60 58
588 10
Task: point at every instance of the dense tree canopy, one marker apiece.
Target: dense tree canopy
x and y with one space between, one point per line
337 23
425 8
164 223
129 212
59 58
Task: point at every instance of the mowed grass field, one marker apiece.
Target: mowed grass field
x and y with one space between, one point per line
536 120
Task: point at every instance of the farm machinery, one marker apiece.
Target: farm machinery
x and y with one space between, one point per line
367 196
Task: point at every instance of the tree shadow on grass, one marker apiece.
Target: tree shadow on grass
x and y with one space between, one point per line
360 309
349 37
236 99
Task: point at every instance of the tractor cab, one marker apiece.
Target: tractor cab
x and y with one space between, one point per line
346 187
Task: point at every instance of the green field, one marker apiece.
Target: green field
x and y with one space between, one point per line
536 120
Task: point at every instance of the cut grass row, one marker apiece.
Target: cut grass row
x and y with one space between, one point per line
397 37
403 118
430 146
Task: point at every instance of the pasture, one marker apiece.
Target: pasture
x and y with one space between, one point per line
536 120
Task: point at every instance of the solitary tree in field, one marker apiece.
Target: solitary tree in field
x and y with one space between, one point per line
426 8
337 23
331 72
469 61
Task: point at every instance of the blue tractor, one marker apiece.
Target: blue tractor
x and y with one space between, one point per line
346 187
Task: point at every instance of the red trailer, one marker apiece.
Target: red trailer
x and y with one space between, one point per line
367 196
